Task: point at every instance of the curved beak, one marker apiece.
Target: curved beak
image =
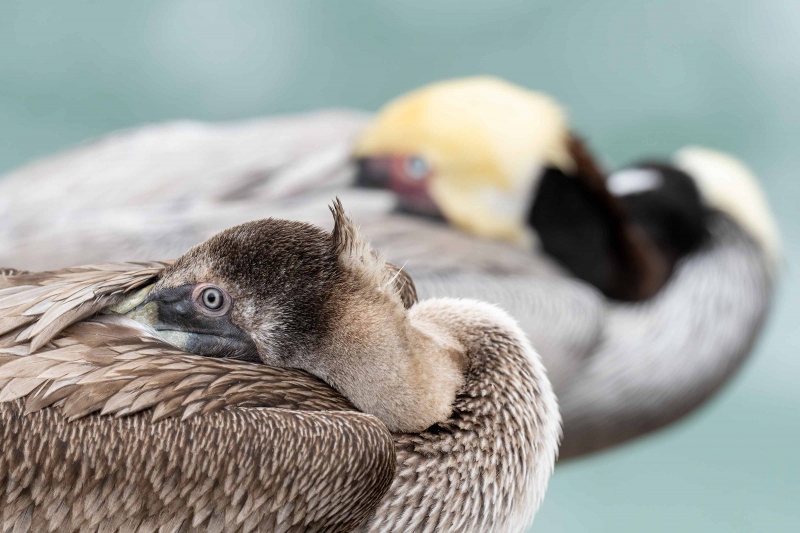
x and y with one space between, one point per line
173 315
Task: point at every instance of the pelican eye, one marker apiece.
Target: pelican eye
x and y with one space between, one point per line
416 168
211 300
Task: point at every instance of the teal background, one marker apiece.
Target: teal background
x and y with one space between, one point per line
638 78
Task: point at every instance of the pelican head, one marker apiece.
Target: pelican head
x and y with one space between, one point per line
500 162
290 294
467 150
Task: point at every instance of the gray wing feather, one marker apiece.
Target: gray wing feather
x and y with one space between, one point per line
241 469
36 307
144 193
108 413
563 318
663 358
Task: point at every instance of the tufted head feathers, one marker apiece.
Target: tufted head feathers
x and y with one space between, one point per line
290 294
277 283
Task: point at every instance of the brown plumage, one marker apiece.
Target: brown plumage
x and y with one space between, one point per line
50 301
227 470
105 411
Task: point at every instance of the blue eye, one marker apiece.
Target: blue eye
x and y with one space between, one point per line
417 168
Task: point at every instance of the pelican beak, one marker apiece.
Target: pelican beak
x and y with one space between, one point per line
373 172
147 314
177 320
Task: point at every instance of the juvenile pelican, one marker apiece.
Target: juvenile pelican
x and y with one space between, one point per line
108 427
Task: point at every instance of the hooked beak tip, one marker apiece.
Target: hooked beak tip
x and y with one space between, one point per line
147 313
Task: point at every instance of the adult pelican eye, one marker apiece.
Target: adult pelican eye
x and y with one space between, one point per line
211 300
416 168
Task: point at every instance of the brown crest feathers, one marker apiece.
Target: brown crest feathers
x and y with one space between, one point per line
346 239
356 255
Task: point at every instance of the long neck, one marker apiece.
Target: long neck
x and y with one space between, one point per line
497 449
399 366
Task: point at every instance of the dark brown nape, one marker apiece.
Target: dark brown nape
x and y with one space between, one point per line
589 231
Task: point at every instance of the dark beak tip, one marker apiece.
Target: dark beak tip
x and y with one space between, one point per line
370 175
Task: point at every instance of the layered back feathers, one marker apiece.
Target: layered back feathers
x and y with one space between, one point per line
114 366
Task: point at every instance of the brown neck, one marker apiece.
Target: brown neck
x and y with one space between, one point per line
642 269
588 230
504 428
392 363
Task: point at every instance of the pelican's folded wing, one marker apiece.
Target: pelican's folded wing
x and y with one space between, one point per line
36 306
241 469
107 428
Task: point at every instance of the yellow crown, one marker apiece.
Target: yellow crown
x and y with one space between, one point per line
485 139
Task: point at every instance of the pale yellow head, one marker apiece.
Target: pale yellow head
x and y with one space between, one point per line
484 140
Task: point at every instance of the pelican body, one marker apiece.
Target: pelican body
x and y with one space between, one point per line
326 397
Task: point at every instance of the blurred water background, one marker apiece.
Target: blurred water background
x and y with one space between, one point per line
638 78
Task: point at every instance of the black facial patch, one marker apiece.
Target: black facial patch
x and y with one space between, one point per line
214 336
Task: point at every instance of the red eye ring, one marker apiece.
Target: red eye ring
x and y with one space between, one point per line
211 300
